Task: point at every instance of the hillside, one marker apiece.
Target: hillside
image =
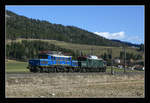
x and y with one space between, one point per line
76 48
18 26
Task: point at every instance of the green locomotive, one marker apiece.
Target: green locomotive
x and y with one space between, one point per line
91 64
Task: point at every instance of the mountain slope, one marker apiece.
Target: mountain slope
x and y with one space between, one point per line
127 43
22 27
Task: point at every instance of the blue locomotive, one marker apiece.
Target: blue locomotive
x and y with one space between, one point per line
50 62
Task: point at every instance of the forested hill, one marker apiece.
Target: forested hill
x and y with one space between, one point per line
22 27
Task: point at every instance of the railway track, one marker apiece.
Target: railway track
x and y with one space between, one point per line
29 74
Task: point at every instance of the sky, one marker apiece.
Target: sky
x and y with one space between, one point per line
125 22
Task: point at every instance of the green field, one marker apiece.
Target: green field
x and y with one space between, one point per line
16 66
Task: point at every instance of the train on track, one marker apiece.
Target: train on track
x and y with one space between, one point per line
50 62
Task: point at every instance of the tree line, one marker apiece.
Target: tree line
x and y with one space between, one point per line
30 49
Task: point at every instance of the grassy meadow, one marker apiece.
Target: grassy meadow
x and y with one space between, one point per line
16 66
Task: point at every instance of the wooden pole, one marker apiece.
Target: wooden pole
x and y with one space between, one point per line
112 72
124 59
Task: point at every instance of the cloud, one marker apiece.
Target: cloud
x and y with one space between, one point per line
121 36
108 35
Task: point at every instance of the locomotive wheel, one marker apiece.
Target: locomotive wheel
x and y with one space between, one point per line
90 69
49 70
77 69
83 70
97 70
31 70
93 70
60 69
35 69
100 69
71 70
87 69
53 69
56 70
65 69
104 69
41 70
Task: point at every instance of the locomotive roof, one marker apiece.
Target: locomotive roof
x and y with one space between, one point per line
91 57
58 55
95 58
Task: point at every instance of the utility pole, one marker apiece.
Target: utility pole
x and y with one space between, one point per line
112 72
39 28
91 51
124 59
31 28
26 29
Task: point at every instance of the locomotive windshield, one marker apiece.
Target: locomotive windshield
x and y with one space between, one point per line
43 56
